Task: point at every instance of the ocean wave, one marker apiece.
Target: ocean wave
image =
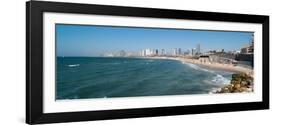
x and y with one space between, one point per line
219 79
198 67
73 65
213 90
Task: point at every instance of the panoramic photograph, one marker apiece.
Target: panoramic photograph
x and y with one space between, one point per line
95 61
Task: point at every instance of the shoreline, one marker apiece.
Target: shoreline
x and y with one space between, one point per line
210 65
241 81
213 65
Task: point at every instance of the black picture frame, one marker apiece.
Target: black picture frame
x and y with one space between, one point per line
34 61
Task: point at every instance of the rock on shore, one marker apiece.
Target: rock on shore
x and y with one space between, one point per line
239 83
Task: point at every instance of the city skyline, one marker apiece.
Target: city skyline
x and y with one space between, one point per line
82 40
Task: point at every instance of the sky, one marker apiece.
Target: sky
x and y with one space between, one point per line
91 40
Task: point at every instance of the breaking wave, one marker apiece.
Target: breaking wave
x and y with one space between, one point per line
218 79
197 67
73 65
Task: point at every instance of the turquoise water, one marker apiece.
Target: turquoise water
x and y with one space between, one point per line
107 77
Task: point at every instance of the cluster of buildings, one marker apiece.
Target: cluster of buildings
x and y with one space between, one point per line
248 49
153 52
121 53
194 51
174 52
245 54
243 57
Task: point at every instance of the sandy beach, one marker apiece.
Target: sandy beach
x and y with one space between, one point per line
212 65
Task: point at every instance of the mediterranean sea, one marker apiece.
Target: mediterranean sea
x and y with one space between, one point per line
109 77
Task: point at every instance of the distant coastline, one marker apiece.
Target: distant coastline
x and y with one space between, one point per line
212 65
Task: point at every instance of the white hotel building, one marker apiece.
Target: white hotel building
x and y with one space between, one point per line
152 52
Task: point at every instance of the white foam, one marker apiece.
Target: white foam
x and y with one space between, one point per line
219 79
197 67
74 65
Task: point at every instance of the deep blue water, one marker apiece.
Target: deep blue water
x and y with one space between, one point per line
106 77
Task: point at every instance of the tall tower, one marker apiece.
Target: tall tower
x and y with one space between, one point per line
179 51
163 52
198 51
193 51
156 51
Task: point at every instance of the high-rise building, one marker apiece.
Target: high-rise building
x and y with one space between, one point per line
193 51
179 51
156 51
163 52
175 52
198 51
190 52
143 53
122 53
186 52
147 52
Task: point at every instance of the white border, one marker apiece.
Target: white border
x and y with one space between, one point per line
52 106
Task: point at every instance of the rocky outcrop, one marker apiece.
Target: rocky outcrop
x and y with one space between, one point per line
239 83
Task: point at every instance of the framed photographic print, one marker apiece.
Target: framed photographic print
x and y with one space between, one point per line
95 62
